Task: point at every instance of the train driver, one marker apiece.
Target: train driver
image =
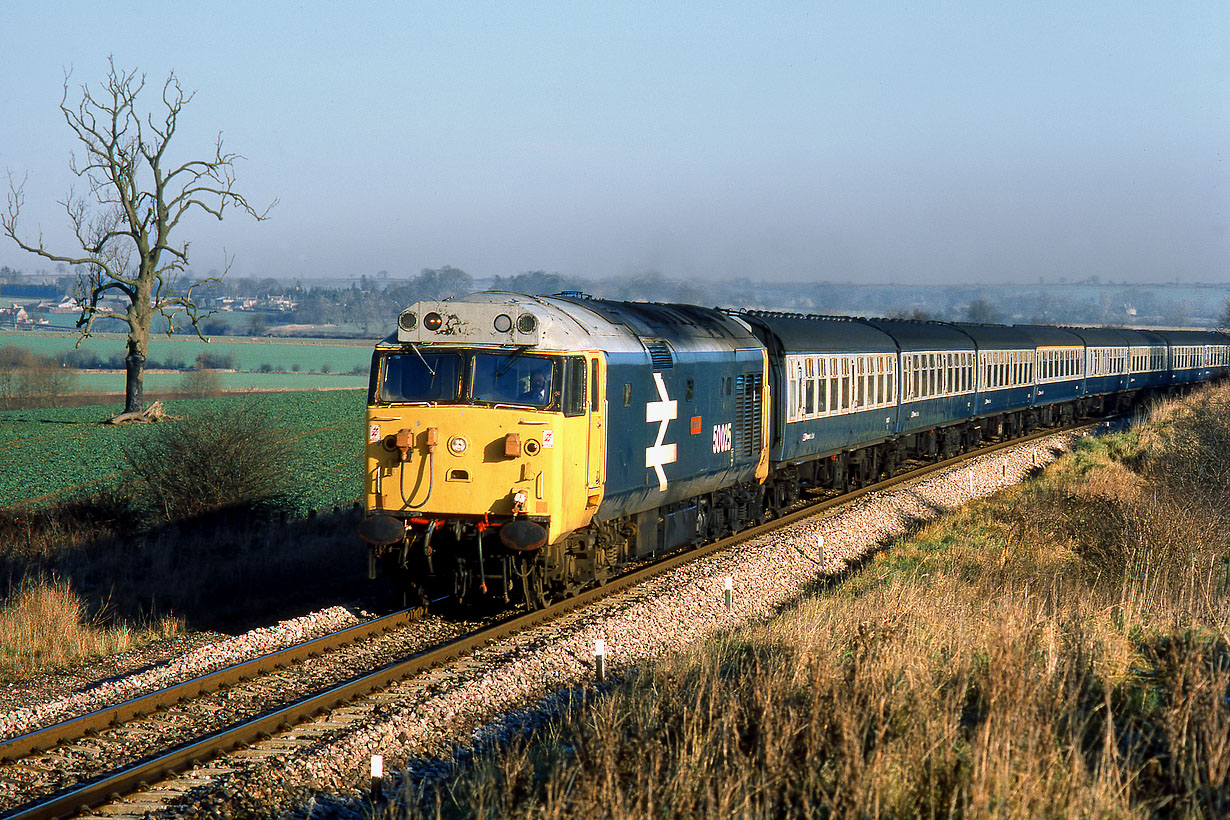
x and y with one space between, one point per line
537 393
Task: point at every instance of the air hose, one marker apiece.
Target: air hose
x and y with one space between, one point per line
431 481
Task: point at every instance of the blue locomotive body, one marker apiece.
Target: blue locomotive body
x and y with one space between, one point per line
686 416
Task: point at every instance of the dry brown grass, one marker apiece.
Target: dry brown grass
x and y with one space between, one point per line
46 625
1059 650
213 572
202 532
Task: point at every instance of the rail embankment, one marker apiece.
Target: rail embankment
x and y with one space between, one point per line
1060 648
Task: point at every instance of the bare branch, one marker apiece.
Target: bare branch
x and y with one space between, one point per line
125 221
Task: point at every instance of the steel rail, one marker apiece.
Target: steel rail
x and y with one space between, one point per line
82 726
108 788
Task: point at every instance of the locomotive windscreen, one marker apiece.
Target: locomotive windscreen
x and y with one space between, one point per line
514 379
414 377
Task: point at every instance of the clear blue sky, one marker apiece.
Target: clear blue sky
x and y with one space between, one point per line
920 142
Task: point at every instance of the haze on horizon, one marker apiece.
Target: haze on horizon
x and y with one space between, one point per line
924 143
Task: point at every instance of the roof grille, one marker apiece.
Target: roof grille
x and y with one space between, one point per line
660 354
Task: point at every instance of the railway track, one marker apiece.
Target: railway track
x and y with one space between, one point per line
73 747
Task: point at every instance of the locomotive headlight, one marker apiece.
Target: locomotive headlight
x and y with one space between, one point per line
457 445
432 321
503 323
520 497
408 320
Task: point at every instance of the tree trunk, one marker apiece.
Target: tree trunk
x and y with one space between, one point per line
134 393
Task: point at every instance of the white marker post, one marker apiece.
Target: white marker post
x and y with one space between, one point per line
600 660
820 547
729 588
377 775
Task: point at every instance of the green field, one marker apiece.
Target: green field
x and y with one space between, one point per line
310 355
113 382
47 455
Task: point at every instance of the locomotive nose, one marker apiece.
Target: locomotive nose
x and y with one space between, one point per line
523 535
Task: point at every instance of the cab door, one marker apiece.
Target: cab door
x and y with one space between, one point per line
595 471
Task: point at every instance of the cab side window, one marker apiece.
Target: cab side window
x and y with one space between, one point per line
575 368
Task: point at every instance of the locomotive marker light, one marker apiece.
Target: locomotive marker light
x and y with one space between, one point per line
457 445
432 321
600 660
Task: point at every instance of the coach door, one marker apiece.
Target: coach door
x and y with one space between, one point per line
596 468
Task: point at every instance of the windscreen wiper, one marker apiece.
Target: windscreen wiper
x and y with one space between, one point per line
415 348
512 357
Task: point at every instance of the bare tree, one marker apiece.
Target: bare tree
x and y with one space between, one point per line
137 197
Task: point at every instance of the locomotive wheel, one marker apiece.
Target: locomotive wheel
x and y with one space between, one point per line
533 589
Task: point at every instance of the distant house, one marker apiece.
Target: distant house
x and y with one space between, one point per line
68 305
17 316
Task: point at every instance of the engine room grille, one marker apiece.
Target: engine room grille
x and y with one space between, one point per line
660 355
749 393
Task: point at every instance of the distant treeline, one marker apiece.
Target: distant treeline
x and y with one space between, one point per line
29 291
368 306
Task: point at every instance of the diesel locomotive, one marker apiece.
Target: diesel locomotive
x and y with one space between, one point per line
521 448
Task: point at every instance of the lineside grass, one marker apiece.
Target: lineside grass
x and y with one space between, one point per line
45 624
1060 649
199 521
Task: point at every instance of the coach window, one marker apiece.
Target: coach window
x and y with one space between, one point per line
821 384
837 382
792 400
809 387
845 383
860 383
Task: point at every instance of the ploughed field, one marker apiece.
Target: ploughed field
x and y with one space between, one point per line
54 453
